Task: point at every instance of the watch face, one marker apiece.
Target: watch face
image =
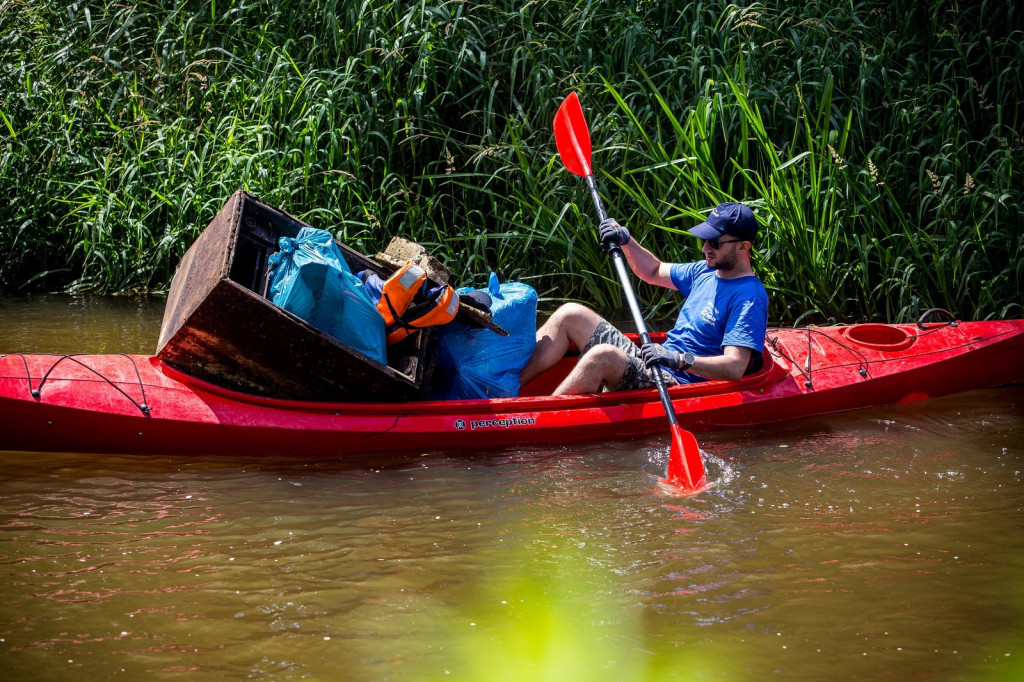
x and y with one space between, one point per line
688 360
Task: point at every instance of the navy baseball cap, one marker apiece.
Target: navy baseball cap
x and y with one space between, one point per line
729 218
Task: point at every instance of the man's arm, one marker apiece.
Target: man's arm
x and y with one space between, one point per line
642 262
731 364
647 266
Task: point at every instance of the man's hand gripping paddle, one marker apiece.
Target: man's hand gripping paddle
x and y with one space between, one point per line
685 469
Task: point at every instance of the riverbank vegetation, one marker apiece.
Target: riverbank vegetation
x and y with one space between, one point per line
880 142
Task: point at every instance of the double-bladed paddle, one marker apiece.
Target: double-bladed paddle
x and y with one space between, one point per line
685 468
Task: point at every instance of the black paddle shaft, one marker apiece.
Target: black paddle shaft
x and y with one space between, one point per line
615 251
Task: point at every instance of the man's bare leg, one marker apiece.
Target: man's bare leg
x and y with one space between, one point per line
571 323
574 323
603 364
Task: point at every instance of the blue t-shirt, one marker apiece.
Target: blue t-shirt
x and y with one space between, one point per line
717 313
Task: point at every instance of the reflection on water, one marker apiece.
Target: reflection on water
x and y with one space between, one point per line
880 545
57 323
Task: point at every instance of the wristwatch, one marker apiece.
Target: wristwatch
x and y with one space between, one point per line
688 361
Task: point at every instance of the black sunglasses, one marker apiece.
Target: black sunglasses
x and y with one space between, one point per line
716 244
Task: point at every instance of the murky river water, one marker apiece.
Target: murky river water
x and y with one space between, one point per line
880 545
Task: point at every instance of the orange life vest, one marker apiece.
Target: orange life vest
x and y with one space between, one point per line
402 314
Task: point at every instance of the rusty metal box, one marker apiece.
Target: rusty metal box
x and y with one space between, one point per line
219 326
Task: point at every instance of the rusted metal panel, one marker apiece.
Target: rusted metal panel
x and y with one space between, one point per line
219 326
202 266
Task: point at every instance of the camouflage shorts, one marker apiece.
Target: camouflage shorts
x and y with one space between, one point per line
636 375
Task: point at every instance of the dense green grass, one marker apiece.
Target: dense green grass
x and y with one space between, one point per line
880 142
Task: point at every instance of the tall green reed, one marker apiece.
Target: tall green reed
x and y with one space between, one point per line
878 142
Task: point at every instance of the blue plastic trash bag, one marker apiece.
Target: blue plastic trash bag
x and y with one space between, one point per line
310 279
473 362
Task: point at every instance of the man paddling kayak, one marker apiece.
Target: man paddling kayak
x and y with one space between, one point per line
719 333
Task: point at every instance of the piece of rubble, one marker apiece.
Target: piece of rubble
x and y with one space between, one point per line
401 250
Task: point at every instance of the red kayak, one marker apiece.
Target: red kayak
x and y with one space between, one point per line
132 404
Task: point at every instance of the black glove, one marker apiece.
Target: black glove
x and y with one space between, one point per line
612 233
656 354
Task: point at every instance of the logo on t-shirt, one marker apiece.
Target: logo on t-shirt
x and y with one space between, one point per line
710 313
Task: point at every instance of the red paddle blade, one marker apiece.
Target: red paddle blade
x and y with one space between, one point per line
572 136
685 467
